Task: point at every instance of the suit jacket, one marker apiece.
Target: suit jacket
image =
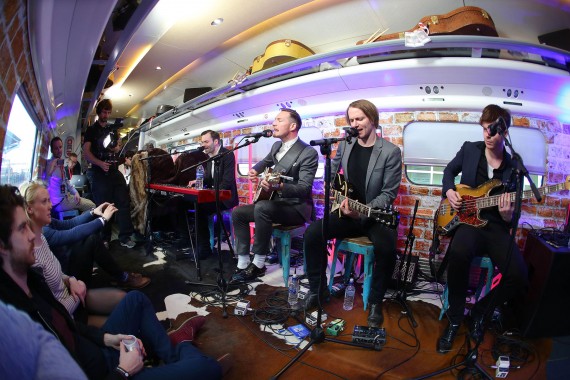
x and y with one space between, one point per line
300 162
383 174
466 162
228 177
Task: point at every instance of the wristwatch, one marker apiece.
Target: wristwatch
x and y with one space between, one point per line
124 374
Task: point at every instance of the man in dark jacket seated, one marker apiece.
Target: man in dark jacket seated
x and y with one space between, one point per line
100 352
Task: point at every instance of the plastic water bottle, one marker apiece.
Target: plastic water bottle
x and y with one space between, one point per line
349 296
199 177
293 291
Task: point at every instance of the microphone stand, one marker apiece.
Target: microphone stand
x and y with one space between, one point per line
317 334
400 296
221 282
470 361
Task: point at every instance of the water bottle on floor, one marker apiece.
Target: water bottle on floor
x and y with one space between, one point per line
199 177
293 291
349 296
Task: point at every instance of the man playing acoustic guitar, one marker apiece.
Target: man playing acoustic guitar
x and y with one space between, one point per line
374 168
292 201
480 162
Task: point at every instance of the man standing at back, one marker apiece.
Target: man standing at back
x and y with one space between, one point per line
291 203
211 142
108 183
63 195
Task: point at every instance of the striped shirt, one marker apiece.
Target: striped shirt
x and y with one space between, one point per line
53 274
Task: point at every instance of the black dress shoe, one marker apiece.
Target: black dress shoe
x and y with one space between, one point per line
445 341
249 274
477 330
375 316
312 299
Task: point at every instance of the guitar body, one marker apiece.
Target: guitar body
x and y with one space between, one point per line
344 188
272 178
463 21
278 52
449 219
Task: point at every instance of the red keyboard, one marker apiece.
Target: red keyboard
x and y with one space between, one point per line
191 194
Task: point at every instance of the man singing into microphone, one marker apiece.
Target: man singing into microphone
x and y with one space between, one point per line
374 168
291 203
211 142
479 162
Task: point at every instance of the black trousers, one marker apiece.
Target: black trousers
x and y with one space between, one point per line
493 241
383 239
264 214
205 210
87 251
111 187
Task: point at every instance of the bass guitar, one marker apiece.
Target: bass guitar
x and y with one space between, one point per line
342 190
447 218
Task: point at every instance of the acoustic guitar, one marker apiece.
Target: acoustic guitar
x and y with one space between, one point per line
273 178
462 21
342 190
278 52
447 218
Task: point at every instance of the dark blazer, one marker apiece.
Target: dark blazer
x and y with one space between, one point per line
300 162
466 162
383 174
228 177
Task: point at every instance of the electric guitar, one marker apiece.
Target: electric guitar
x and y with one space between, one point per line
342 190
447 218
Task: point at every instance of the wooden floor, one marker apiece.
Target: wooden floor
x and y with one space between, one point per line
408 353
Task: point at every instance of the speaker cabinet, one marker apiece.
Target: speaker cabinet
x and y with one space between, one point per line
545 309
191 93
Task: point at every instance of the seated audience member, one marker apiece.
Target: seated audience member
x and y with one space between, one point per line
73 166
125 168
374 167
63 195
29 352
100 352
69 291
292 203
77 243
211 142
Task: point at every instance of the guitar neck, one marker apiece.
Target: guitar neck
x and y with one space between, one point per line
354 205
493 200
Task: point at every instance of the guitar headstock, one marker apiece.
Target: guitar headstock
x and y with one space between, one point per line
389 216
567 183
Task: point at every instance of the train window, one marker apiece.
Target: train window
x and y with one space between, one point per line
259 150
18 156
429 146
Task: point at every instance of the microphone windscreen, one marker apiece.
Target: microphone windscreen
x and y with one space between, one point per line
267 133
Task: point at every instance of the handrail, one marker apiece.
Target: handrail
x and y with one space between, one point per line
562 57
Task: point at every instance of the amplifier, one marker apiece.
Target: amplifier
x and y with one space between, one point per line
373 336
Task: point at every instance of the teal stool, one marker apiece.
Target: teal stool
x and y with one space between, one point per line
211 220
483 263
285 234
355 246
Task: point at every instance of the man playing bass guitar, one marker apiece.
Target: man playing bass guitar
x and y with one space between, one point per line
479 162
374 168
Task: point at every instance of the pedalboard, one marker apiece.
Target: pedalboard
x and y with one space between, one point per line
375 337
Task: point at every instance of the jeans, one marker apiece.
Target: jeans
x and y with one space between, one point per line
136 316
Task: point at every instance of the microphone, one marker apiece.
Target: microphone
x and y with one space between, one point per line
349 133
265 133
498 126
